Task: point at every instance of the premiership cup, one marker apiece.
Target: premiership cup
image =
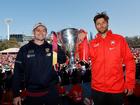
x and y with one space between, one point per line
68 38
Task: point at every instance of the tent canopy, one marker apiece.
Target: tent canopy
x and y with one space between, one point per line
9 50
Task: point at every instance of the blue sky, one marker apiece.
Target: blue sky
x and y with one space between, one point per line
59 14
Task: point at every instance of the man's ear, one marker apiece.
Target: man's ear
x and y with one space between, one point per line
33 32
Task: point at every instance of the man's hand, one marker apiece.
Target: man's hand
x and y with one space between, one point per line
128 92
17 101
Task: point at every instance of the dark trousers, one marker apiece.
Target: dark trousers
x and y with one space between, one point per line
101 98
51 98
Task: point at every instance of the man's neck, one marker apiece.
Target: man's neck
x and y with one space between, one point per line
103 35
39 42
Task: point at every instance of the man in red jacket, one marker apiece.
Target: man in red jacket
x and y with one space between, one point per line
108 52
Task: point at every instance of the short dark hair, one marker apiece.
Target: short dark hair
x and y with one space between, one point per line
101 15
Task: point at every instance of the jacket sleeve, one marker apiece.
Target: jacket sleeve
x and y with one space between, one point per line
130 66
61 55
18 73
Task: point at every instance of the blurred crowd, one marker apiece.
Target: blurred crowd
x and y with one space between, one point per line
7 61
7 66
136 54
6 70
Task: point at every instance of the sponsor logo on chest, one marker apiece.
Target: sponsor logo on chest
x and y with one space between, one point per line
30 54
96 45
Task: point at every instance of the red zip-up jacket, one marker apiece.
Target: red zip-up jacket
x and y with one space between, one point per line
107 56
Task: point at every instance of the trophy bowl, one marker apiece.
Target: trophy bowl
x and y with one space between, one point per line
68 38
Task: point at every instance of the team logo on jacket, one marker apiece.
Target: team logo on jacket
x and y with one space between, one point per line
112 42
112 45
47 50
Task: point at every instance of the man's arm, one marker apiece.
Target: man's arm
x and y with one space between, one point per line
129 62
17 78
61 55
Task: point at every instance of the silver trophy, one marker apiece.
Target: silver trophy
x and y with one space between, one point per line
68 38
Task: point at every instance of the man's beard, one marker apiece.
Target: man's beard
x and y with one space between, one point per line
103 32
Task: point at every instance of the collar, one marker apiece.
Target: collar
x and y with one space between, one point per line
34 44
109 33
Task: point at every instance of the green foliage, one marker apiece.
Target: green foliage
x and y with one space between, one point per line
133 41
8 44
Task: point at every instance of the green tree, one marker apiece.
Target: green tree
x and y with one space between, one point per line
133 41
8 44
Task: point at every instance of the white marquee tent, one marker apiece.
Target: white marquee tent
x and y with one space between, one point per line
9 50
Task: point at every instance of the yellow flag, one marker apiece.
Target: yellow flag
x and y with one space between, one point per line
54 58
